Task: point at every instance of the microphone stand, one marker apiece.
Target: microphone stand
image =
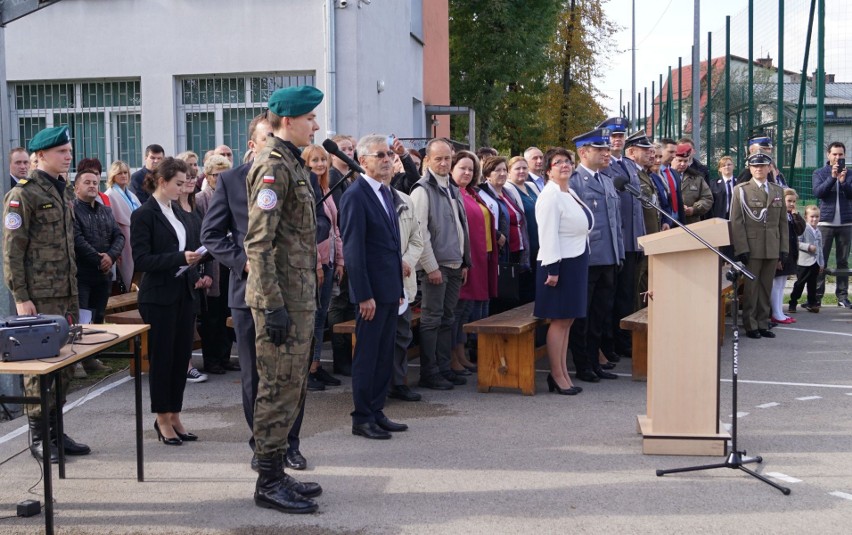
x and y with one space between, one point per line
334 187
736 459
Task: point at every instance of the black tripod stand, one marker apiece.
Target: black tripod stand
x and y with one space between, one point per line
736 459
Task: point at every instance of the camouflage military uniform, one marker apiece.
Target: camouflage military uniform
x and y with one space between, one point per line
281 247
38 252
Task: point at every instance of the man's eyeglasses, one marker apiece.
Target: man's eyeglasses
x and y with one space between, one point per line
381 154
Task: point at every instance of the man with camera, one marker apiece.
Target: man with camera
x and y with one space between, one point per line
834 191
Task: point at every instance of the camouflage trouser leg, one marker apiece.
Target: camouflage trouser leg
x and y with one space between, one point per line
55 306
282 371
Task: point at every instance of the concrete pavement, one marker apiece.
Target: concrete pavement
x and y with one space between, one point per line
475 463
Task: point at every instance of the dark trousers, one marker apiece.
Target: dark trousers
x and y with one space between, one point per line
93 295
586 332
340 310
402 340
212 327
372 364
616 339
806 276
437 316
169 350
245 332
322 310
843 238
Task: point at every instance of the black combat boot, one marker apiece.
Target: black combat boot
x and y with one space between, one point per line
273 492
37 444
68 444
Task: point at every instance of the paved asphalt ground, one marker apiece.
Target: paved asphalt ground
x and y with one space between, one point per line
475 463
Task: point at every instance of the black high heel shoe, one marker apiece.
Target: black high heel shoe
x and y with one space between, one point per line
571 391
166 440
186 437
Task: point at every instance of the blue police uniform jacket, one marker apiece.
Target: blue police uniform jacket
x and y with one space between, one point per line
606 246
632 218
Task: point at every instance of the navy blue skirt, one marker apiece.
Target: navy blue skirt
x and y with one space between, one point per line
568 298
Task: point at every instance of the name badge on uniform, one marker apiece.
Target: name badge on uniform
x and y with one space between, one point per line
45 206
13 221
266 199
301 182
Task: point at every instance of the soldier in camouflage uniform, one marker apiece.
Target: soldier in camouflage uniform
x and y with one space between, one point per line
280 245
38 252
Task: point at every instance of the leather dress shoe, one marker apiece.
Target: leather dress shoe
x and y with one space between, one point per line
74 448
753 334
325 377
370 430
404 393
603 374
452 377
613 357
608 366
388 425
215 369
295 460
435 382
307 489
589 377
766 333
232 366
464 372
314 384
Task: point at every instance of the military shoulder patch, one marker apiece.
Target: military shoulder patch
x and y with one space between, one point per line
14 203
266 199
268 179
13 221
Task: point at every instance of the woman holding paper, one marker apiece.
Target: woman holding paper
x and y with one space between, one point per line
163 239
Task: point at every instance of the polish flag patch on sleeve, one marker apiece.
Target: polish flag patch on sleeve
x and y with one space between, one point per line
268 179
14 204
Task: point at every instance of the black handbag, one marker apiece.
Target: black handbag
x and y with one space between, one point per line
508 281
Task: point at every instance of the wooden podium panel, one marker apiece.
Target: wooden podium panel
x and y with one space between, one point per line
683 342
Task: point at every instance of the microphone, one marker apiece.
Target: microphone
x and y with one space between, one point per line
633 190
332 148
620 182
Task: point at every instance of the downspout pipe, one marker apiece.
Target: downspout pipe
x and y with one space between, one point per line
331 70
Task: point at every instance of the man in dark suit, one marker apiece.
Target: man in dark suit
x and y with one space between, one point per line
371 246
19 165
672 179
228 214
154 154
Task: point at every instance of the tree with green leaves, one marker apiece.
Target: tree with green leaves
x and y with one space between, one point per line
498 56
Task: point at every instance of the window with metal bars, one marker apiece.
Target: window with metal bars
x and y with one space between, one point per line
216 109
104 117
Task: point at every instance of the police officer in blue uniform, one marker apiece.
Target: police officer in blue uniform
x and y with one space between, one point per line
606 251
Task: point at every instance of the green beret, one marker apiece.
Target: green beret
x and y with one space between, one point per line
294 101
49 138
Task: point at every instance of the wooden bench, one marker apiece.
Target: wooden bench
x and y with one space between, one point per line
637 323
506 350
122 302
348 327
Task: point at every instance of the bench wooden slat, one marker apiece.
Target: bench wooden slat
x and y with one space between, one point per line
515 321
117 303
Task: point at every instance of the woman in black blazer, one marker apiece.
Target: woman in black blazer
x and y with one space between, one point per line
163 240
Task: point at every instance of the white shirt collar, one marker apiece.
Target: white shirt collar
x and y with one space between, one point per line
375 184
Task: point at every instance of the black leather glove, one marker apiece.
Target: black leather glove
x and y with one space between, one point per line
277 325
743 258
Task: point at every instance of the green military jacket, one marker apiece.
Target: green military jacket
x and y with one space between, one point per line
696 193
38 240
651 216
759 221
280 241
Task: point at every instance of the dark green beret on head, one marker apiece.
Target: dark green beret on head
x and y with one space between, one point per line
49 138
294 101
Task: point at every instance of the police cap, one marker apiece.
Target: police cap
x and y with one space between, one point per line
294 101
49 138
761 140
598 137
638 139
759 159
617 125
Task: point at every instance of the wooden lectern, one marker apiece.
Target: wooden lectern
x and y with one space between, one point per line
683 342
